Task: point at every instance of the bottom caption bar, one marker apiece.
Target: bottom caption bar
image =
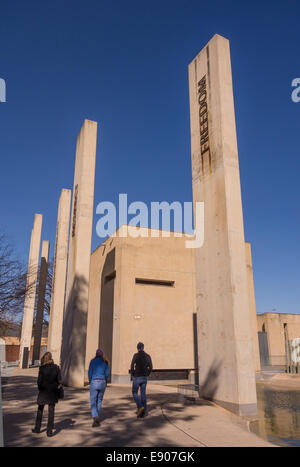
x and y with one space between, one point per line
139 456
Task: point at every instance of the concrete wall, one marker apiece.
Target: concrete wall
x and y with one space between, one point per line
59 276
273 324
32 274
226 355
161 316
252 305
158 315
73 350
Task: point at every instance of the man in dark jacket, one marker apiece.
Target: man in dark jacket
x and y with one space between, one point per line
141 367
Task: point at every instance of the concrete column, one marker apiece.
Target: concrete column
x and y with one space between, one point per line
59 276
38 328
32 273
252 306
225 340
77 288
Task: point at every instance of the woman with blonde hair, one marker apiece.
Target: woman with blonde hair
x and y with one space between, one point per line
48 382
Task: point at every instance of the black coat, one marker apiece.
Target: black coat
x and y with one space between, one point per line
48 381
141 364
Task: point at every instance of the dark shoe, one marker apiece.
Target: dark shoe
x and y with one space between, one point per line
49 433
140 412
35 430
96 422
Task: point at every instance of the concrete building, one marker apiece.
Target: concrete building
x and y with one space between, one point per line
275 330
12 348
144 289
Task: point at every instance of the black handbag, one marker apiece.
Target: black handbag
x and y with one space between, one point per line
60 392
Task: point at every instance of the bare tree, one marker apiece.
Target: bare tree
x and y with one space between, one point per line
12 282
16 283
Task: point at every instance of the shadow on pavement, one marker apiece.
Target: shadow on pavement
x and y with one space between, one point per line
64 425
119 424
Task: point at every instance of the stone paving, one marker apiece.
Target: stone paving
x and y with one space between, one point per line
171 420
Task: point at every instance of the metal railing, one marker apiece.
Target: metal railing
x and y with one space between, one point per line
189 391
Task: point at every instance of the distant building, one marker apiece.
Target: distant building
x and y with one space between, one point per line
275 329
143 289
10 333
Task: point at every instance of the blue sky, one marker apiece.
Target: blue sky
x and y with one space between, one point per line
124 64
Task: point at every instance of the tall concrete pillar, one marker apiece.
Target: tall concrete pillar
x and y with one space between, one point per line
38 327
225 341
59 276
252 306
77 288
31 282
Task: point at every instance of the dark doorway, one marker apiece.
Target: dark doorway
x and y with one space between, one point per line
263 348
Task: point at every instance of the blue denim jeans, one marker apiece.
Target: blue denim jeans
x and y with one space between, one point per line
97 389
140 382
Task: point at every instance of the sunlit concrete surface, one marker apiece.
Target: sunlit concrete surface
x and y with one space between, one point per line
78 271
59 275
32 273
170 422
225 323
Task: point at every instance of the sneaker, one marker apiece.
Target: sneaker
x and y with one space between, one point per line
96 422
49 434
140 412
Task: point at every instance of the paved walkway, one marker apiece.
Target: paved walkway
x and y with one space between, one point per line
171 421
